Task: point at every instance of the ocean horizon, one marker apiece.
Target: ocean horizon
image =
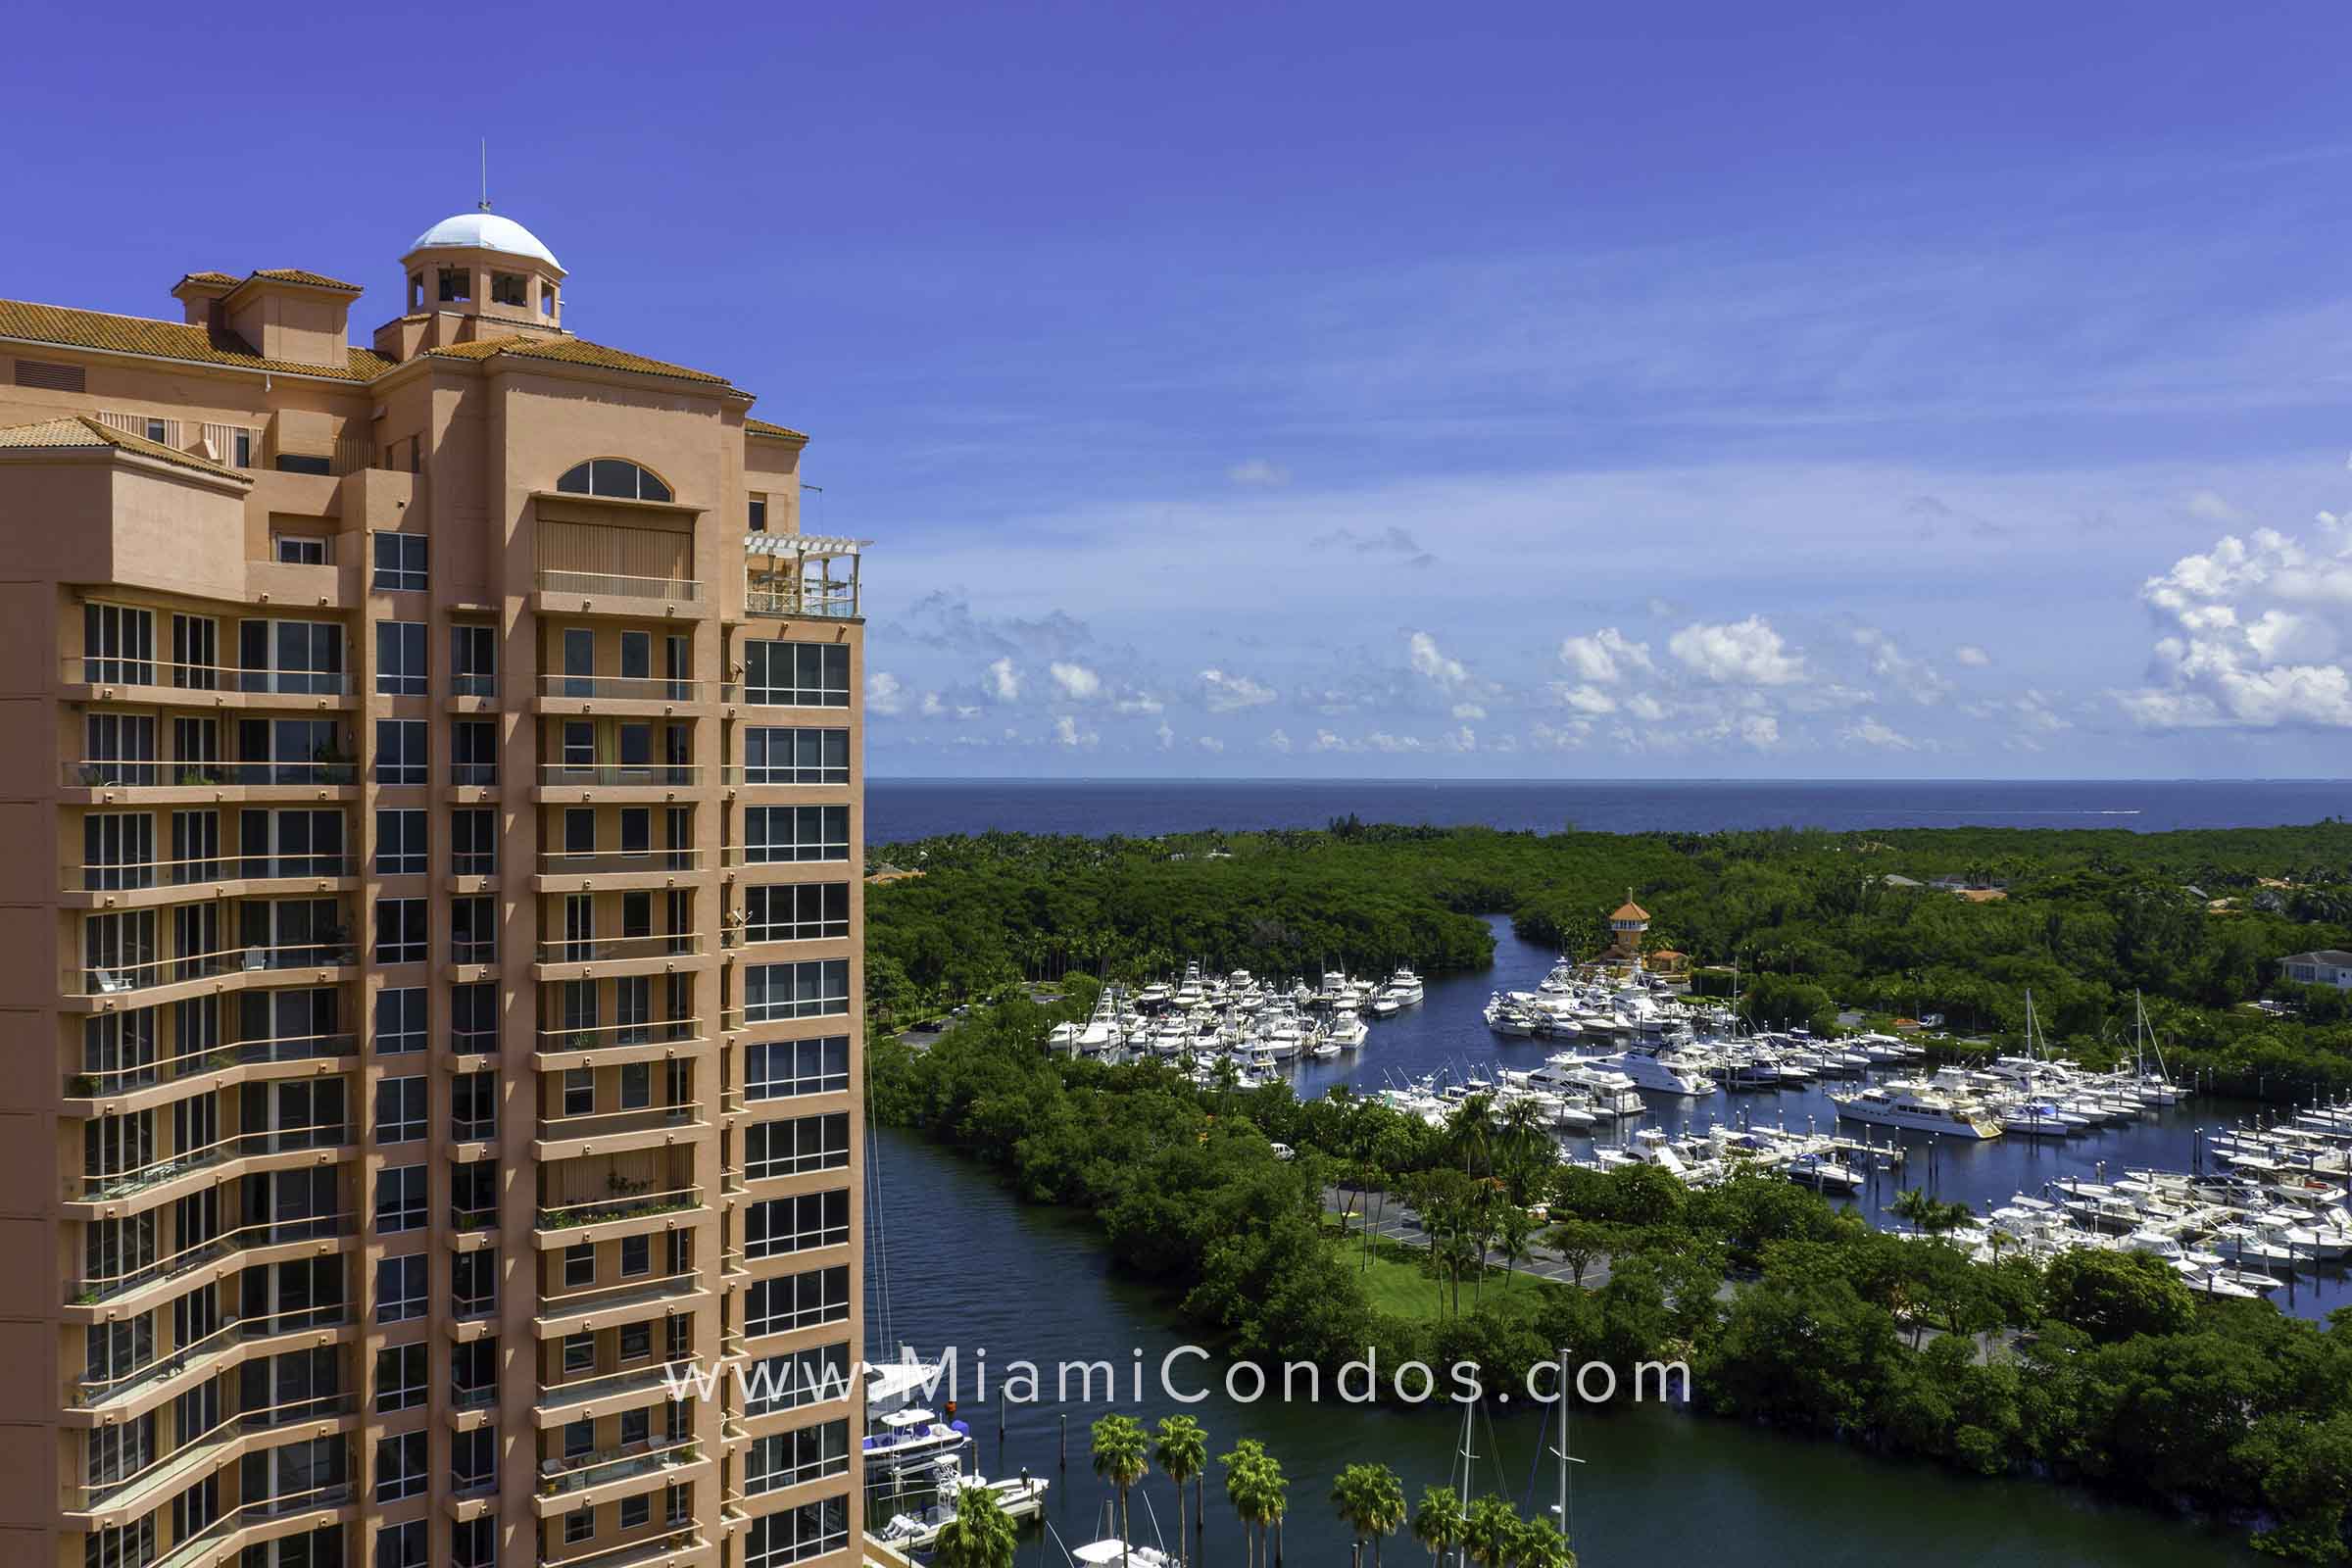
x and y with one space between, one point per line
899 809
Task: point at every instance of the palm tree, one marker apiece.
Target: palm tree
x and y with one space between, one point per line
1488 1530
1370 1502
1437 1523
1514 1231
1247 1491
1181 1451
1121 1458
1913 1205
980 1536
1538 1544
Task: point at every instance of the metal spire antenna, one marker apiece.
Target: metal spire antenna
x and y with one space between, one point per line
485 207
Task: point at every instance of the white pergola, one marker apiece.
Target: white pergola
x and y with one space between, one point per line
797 579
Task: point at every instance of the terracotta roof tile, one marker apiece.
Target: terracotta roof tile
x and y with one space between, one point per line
572 351
211 277
80 430
167 340
762 428
295 275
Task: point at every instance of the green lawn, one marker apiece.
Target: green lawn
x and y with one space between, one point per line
1400 1283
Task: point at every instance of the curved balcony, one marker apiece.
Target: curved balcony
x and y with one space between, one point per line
106 1084
211 1354
127 977
100 1289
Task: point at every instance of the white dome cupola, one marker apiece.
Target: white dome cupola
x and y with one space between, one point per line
484 232
482 265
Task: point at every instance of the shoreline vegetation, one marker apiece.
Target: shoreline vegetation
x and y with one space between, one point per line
2101 1369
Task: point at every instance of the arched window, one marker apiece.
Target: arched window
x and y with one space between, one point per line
616 477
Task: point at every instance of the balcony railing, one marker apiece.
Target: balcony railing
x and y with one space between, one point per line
118 876
640 774
557 1476
608 1036
617 863
100 1083
611 585
115 977
203 1547
615 1123
620 1292
615 950
110 669
837 600
109 1186
623 688
181 773
93 1289
635 1553
90 1393
621 1205
603 1385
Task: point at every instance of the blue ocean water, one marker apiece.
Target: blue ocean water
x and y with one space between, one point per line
899 809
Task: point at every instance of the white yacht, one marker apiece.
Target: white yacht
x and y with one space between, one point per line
1658 1072
1405 986
1915 1107
1607 1091
1348 1030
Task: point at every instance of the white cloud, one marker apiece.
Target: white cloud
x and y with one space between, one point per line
1607 655
1740 653
1210 743
2251 636
1382 741
884 695
1869 731
1914 677
1448 674
1279 741
1067 733
1464 739
1760 730
1004 682
1971 656
1074 682
931 707
1166 733
1645 708
1258 472
1587 699
1138 703
1225 693
1468 711
1326 741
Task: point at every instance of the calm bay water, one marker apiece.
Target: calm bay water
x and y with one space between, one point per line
897 809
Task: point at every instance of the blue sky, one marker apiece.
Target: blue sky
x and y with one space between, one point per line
1494 391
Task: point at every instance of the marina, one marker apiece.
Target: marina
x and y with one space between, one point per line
2241 1199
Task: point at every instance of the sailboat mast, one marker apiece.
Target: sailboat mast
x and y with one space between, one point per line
1567 1529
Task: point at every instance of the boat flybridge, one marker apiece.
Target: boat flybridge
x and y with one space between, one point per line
1661 1072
